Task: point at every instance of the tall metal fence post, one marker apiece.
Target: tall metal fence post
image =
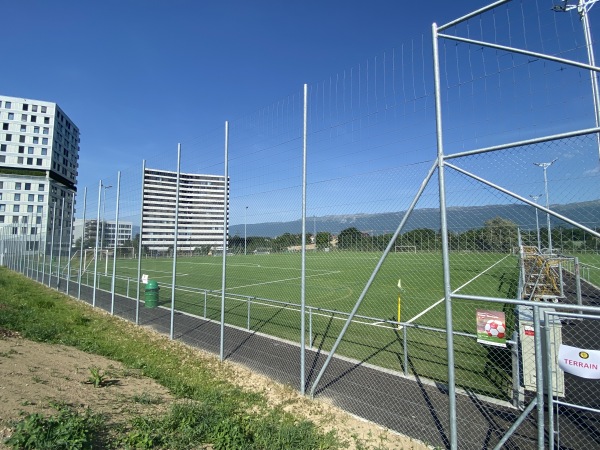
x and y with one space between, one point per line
303 263
516 370
175 236
116 243
96 244
445 248
549 381
224 265
81 245
60 241
45 251
539 377
71 220
52 244
139 266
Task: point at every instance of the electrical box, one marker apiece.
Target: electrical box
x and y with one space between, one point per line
549 350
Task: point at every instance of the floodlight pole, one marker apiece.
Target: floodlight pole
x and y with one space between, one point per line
583 8
545 167
535 198
103 217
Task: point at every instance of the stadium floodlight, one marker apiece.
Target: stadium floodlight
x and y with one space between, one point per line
535 198
583 8
545 166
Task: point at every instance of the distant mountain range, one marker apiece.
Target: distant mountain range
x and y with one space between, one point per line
459 219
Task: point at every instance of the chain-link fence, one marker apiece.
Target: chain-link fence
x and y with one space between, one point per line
322 241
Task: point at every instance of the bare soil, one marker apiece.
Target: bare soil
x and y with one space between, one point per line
33 376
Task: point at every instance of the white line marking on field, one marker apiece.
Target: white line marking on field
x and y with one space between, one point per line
454 291
280 281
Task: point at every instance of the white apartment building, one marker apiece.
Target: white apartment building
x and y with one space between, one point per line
106 233
39 152
201 210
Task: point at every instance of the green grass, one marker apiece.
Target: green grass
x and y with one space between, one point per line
334 281
217 412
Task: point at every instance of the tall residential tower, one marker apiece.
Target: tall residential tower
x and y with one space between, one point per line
39 152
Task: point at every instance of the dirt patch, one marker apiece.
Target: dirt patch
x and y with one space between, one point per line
35 375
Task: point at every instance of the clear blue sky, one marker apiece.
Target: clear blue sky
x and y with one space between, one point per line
138 77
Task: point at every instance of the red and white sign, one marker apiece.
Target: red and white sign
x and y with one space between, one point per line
579 362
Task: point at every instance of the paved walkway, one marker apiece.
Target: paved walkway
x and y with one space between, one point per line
408 405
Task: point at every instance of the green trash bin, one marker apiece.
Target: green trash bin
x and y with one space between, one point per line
151 294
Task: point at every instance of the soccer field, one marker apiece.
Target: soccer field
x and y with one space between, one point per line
335 280
263 294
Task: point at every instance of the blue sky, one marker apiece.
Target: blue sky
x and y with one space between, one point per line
140 76
121 69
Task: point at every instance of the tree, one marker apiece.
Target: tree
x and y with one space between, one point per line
499 235
323 239
350 238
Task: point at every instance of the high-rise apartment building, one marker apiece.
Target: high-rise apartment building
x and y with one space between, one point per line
106 233
200 216
39 152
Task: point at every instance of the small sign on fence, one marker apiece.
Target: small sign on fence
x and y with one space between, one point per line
491 328
579 362
145 278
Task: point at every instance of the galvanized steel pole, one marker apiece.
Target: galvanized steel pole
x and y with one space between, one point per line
81 245
96 244
225 222
303 264
139 266
175 235
114 268
445 251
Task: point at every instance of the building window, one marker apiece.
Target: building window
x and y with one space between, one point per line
15 219
30 161
20 160
15 208
30 150
2 158
25 106
30 197
18 186
24 117
44 141
38 220
34 118
5 126
36 140
8 105
17 197
36 129
0 195
34 108
22 138
40 209
2 147
11 116
40 198
27 186
2 207
46 130
23 128
1 219
38 162
33 230
44 151
47 120
9 137
29 208
21 149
